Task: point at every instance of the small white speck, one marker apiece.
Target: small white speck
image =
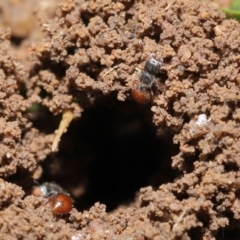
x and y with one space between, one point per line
202 120
77 236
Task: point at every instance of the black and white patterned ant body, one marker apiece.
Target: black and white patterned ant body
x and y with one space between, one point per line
147 78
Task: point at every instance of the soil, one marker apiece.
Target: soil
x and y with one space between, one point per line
162 163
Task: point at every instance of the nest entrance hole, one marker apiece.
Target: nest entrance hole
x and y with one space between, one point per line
109 154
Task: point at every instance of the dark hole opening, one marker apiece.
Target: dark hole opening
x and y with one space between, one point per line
109 154
16 41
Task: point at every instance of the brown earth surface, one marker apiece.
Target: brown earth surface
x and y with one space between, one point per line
166 169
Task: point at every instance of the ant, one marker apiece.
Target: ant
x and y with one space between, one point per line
152 68
59 200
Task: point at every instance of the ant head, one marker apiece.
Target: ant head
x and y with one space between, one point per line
152 66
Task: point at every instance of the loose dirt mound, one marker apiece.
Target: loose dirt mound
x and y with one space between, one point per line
179 152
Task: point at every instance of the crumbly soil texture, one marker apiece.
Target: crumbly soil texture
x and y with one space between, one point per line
141 161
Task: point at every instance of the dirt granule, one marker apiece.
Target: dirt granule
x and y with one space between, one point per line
79 55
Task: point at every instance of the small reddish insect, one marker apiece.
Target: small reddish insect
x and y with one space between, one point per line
59 200
61 203
141 94
148 84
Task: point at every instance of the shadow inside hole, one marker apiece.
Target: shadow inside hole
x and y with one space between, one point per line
108 155
16 41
